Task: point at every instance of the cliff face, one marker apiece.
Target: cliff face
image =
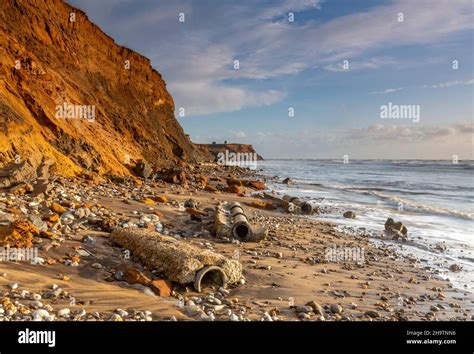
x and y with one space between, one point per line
69 93
215 149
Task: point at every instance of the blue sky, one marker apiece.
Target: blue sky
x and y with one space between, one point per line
300 65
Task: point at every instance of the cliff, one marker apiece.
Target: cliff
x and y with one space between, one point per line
215 149
70 94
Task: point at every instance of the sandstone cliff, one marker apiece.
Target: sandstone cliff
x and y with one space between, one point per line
215 149
53 58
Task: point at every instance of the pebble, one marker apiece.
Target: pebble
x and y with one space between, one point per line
89 240
317 308
118 275
303 309
64 312
81 313
304 316
372 314
40 315
336 308
96 265
37 304
122 312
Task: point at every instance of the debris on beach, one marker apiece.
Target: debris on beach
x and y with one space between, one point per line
231 221
179 261
293 205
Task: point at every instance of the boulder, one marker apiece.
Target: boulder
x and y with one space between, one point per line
234 189
142 169
58 209
161 287
258 185
234 182
349 215
161 199
395 227
18 234
133 276
201 180
210 188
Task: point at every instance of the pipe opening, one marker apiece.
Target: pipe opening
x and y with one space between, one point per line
306 208
210 277
242 231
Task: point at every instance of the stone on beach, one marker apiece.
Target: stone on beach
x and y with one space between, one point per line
18 234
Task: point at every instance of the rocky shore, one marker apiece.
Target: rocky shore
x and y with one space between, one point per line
79 273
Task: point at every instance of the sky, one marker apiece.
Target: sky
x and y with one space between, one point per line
313 76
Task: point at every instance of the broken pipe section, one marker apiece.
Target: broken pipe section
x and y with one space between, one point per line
179 261
231 221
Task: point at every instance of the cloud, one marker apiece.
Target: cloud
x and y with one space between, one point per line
371 63
389 90
450 84
408 133
221 98
238 134
196 57
414 141
283 7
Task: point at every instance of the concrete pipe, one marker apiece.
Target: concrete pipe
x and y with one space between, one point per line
178 260
210 276
241 228
305 207
222 227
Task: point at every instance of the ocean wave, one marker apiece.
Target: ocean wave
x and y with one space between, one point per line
424 207
377 193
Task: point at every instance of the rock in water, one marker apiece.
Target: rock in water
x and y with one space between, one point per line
455 268
349 215
395 228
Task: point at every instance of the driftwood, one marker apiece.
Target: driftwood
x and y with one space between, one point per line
231 221
179 261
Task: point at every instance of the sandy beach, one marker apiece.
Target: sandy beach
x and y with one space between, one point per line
286 276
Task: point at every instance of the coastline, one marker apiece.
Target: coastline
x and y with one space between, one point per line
438 218
287 276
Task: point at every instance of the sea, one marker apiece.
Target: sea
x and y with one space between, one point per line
433 199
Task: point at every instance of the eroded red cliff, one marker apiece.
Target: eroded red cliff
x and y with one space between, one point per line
51 55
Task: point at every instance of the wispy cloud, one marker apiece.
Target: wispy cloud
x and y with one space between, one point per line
370 63
375 141
196 57
386 91
450 84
